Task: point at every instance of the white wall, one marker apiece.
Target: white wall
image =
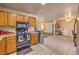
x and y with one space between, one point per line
67 27
48 28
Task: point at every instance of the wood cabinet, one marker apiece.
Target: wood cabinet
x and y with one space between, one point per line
3 18
20 18
34 38
11 44
0 47
26 19
7 45
3 46
11 20
32 21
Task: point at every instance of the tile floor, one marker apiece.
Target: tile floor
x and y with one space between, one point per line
63 44
41 49
54 45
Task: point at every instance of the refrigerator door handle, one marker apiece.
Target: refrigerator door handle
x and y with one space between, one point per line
75 34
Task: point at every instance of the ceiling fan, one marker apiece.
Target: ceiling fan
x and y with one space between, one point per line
68 17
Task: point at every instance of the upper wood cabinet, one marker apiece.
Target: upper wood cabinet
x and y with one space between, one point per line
11 19
8 19
20 18
26 18
32 21
3 18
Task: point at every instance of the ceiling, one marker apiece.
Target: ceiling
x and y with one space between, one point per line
49 11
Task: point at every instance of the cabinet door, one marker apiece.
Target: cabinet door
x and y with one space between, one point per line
20 18
34 38
26 18
3 46
3 18
0 47
32 21
11 19
11 44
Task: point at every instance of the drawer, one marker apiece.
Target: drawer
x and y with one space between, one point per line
11 43
11 39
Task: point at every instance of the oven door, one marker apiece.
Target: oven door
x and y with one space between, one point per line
23 39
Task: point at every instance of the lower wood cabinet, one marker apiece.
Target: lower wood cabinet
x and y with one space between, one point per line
7 45
3 47
11 44
0 47
34 38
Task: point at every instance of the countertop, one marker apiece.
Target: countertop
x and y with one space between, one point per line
4 36
9 35
33 32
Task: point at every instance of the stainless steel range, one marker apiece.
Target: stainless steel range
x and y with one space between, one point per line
23 37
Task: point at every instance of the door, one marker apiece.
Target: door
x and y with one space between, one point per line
26 19
77 38
11 19
34 38
0 48
20 18
32 21
3 18
76 35
11 44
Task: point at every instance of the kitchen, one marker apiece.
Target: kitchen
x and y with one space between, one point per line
37 29
8 30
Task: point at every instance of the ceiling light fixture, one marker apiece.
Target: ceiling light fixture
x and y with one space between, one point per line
78 18
68 17
43 4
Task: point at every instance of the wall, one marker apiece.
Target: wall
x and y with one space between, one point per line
67 27
48 27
